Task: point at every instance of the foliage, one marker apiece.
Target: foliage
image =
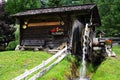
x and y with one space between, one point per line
14 6
13 44
110 13
109 69
17 32
55 3
14 63
6 31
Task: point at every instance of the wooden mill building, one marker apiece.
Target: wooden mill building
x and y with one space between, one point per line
50 27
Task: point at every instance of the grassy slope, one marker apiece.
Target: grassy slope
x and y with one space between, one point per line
59 72
13 63
110 68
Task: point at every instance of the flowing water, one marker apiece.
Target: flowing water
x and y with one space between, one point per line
83 70
83 67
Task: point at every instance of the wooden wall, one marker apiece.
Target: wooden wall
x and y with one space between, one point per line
38 28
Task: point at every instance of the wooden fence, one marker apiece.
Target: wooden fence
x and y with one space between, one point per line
59 55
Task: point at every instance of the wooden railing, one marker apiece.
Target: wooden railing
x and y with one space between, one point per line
59 55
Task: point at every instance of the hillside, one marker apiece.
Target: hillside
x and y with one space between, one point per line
110 68
13 63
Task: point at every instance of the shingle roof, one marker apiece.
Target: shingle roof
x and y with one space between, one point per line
55 10
84 7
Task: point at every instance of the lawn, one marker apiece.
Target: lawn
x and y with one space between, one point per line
60 72
13 63
110 68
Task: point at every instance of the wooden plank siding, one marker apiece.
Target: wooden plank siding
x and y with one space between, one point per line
38 29
36 32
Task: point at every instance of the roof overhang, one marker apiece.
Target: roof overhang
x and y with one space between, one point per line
65 9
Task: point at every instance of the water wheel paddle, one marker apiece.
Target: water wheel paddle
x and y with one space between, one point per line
76 39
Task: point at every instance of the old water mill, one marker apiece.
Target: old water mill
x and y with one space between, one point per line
62 30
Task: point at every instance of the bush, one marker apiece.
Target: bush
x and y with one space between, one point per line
13 44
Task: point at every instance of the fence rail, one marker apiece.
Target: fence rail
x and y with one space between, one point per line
59 55
114 39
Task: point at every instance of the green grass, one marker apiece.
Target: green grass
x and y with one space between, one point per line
110 68
13 63
58 72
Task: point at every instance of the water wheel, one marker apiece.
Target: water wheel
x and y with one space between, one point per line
81 40
76 40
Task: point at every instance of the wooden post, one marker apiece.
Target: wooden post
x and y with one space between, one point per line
26 71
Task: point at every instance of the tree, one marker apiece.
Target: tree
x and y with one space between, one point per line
110 13
63 2
6 31
14 6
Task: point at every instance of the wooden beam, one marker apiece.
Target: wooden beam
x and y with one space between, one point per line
44 24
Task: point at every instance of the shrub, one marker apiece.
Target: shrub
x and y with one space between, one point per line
13 44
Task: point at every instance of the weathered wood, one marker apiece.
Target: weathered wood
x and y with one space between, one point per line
86 7
44 24
34 35
40 22
66 10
